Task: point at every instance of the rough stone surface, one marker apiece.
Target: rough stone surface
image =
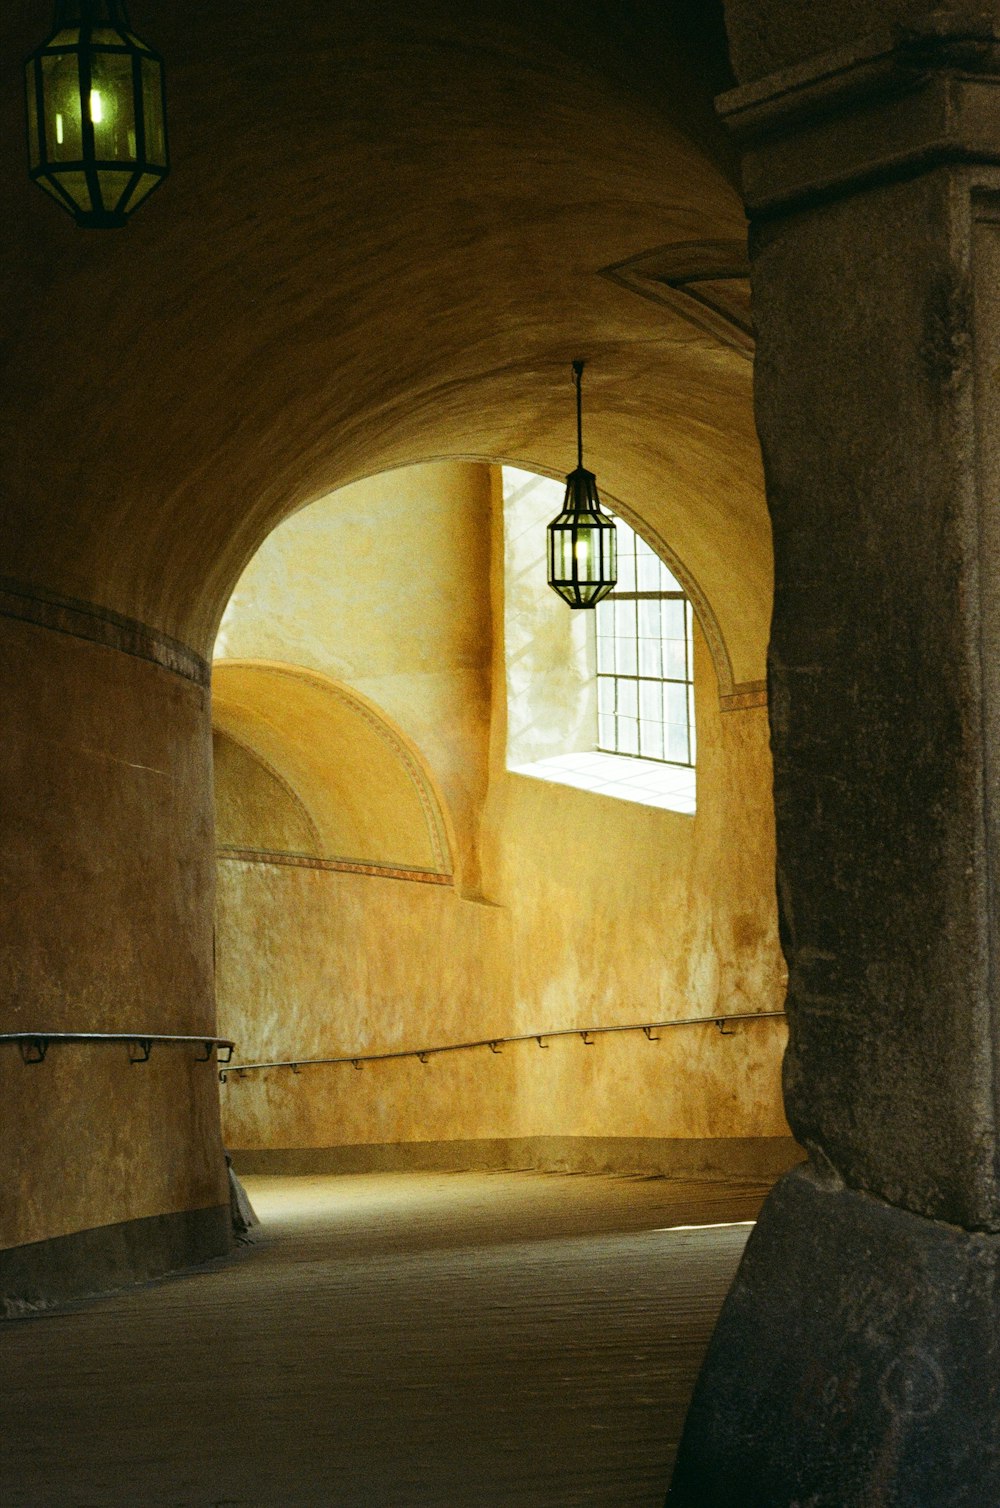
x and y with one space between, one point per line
769 35
878 687
854 1364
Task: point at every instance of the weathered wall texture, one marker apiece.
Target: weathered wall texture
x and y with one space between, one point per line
551 656
87 944
371 588
593 910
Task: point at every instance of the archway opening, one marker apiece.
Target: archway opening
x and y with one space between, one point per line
477 949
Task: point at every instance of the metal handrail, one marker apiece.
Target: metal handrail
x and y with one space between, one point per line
587 1033
35 1045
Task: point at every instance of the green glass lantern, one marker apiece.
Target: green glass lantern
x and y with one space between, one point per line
583 546
97 133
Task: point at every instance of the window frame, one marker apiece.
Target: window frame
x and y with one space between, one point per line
633 654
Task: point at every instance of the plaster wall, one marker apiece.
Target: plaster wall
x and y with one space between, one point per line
591 910
370 586
106 860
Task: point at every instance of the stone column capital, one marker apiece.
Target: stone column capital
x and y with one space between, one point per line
919 93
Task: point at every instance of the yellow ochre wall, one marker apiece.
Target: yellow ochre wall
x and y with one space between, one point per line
554 907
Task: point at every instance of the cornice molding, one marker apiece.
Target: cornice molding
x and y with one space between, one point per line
895 104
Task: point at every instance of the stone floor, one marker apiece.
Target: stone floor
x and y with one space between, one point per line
455 1339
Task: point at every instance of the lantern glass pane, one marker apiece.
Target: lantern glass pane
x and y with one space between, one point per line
77 187
50 188
34 155
146 184
113 186
562 554
586 552
61 95
152 105
112 107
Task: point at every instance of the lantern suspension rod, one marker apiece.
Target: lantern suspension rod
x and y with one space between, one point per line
578 378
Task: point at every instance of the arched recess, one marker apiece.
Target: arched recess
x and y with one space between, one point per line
366 797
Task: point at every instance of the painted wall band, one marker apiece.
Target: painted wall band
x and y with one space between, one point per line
100 625
335 866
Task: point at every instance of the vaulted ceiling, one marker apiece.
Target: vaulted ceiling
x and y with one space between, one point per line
387 231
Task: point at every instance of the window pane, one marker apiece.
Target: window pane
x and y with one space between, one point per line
674 626
625 619
649 655
675 703
605 654
628 735
625 655
674 659
647 707
647 569
676 743
651 701
651 740
606 731
649 618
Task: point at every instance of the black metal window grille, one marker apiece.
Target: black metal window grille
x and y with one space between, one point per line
645 673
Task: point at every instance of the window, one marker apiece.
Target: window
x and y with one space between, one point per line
600 700
645 684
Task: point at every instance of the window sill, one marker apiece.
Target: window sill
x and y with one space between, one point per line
667 786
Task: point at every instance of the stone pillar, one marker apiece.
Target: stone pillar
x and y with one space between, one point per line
857 1359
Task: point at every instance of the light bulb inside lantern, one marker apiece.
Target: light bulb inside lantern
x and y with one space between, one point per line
96 107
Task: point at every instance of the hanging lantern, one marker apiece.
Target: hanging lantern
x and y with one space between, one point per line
97 137
583 547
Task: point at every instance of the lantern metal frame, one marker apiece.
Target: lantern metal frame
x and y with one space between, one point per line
582 529
110 187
